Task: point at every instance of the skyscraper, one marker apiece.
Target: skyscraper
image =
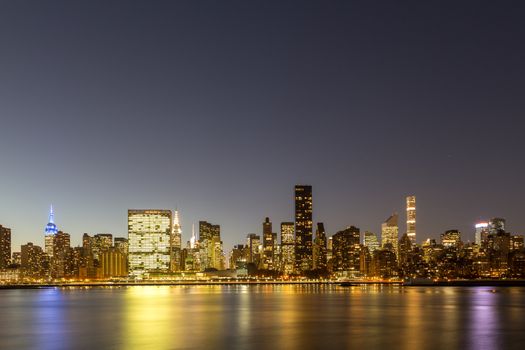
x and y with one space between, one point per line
176 244
303 228
149 235
210 245
320 260
481 232
390 233
268 245
50 231
346 251
287 248
5 247
371 241
411 218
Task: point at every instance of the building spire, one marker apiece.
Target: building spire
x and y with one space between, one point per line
51 215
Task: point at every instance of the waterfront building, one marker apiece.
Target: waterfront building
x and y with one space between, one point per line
50 231
481 232
16 258
113 263
239 257
411 218
149 235
516 242
5 247
319 252
346 251
269 239
121 244
32 260
100 243
287 248
390 233
371 241
303 228
384 264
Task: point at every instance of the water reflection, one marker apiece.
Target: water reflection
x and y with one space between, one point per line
262 317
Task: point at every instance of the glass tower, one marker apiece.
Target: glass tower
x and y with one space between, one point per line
411 218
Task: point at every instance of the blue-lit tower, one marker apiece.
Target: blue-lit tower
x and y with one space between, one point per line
50 232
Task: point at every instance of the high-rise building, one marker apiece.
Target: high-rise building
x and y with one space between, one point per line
5 247
61 246
100 243
50 231
319 253
149 235
32 260
287 248
253 241
176 244
210 246
121 244
451 238
346 251
481 232
390 233
496 226
411 218
269 239
371 241
303 228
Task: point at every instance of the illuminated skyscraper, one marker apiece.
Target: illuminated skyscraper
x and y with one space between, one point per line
5 247
496 225
481 232
390 233
149 236
269 239
411 218
346 251
210 246
176 244
287 248
319 253
371 241
50 231
303 228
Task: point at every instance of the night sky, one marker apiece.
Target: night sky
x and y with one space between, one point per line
220 108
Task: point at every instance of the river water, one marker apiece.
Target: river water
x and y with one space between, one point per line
263 317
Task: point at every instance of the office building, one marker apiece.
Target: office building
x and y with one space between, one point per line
320 249
411 218
50 231
346 251
371 242
481 232
390 233
149 235
287 248
5 247
269 241
303 228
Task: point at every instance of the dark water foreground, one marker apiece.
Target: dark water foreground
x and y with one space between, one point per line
263 317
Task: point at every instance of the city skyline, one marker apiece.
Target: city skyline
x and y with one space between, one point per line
467 236
220 110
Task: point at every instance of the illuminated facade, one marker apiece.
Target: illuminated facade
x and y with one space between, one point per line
5 247
303 228
287 248
50 231
320 260
268 245
390 233
149 235
411 218
346 251
481 232
176 244
451 238
371 241
210 246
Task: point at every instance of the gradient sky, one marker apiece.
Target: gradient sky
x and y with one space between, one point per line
220 108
